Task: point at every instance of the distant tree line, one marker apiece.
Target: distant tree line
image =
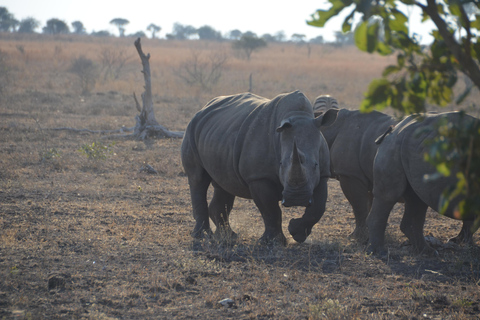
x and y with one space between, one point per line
8 23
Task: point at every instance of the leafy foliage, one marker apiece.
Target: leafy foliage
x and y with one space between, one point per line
423 75
457 147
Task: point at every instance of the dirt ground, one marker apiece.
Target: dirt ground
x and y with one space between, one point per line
96 237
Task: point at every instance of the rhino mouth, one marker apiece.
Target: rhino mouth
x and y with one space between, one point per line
297 201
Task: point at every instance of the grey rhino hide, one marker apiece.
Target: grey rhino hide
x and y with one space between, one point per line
399 171
351 140
243 144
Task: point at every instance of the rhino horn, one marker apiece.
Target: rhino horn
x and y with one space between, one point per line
297 174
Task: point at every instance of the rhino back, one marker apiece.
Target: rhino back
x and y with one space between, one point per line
413 147
351 140
234 139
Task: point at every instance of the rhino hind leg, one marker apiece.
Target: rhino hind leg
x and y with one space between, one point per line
360 198
199 181
466 234
413 222
377 224
219 211
265 194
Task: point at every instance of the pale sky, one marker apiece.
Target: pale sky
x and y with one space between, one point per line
258 16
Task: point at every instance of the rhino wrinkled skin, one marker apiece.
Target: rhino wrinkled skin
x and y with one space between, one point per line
351 140
260 149
399 171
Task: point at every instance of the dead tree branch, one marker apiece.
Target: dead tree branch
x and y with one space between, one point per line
146 124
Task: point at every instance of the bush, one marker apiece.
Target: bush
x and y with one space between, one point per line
86 70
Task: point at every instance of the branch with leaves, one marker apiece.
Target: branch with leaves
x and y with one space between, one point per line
423 74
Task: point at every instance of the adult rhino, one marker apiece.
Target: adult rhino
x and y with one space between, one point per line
260 149
351 140
399 171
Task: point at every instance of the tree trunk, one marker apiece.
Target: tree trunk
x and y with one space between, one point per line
146 124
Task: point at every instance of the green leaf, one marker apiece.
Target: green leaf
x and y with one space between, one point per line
390 69
360 36
347 23
475 24
443 169
366 36
399 21
320 18
378 95
383 49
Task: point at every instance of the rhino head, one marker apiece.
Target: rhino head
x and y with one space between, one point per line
302 148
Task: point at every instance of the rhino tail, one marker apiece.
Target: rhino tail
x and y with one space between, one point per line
386 133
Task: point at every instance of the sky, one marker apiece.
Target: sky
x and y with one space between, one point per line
258 16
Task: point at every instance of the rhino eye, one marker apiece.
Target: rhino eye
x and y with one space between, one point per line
316 164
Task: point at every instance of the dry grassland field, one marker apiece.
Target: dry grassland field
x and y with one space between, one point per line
92 236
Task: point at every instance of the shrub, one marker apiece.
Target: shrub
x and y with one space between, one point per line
86 70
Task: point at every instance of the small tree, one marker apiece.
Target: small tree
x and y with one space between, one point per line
28 25
120 23
78 27
56 26
280 36
248 44
208 33
298 37
181 32
8 23
154 29
203 72
234 34
86 71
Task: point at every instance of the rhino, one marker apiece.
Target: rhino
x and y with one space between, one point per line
268 150
400 171
351 140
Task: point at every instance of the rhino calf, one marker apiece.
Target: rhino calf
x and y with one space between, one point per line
260 149
399 172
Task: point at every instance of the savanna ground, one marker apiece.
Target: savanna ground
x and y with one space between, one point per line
94 237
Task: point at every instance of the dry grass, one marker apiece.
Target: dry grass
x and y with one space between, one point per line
86 239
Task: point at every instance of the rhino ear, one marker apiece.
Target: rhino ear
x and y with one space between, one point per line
327 118
284 125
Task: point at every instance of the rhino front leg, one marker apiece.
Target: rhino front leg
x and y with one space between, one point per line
265 194
377 223
357 193
219 211
300 228
413 222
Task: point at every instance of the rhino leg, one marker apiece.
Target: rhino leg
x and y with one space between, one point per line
265 194
413 222
377 223
360 198
466 234
199 181
219 211
300 228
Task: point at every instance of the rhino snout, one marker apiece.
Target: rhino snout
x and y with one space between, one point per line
297 202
